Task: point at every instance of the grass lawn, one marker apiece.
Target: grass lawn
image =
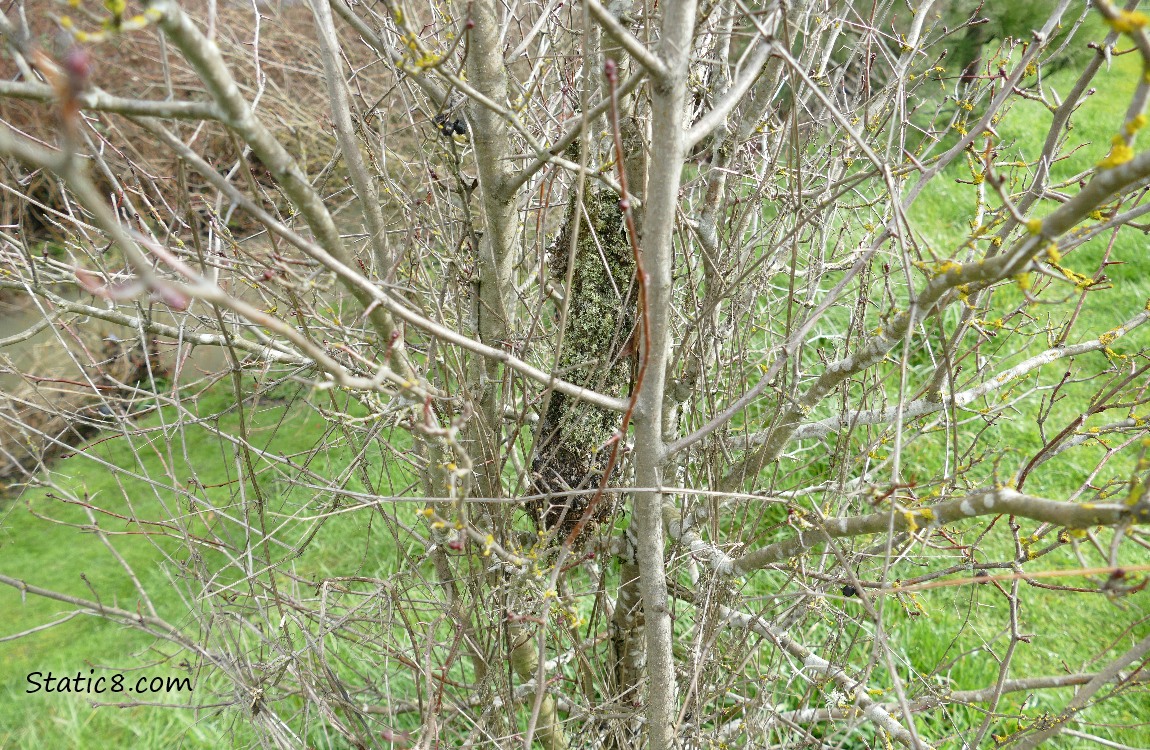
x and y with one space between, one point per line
42 544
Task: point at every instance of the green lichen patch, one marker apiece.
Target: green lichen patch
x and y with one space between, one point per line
575 437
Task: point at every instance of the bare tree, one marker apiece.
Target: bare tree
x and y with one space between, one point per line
654 391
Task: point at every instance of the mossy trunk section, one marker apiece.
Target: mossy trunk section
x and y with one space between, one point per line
575 437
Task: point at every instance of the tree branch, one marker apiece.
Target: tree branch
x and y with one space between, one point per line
989 502
635 48
101 101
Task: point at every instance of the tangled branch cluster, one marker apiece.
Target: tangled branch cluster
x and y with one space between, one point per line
595 376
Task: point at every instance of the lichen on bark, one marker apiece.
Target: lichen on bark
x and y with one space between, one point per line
575 437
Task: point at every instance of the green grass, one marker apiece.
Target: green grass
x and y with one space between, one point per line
1070 629
57 556
1073 631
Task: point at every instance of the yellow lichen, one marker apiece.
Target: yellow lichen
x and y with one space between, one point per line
1120 153
1080 281
1136 493
1127 21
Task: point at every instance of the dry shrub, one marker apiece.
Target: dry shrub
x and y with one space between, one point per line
275 63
